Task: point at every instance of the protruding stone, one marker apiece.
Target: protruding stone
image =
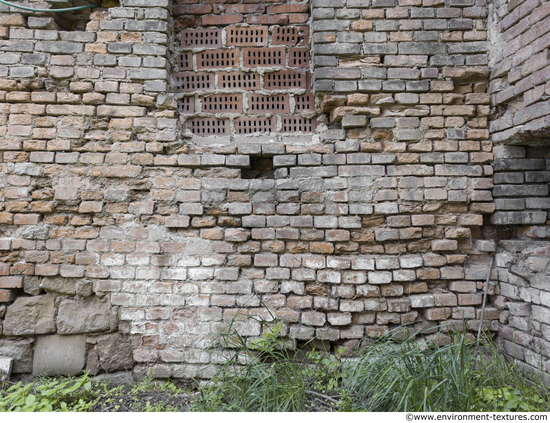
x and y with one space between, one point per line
351 121
337 114
465 74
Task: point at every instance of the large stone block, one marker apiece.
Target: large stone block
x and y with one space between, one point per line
55 354
115 352
84 316
30 315
20 351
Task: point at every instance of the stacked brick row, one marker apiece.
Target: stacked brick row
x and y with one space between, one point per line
414 76
245 71
396 46
322 246
519 87
521 179
523 271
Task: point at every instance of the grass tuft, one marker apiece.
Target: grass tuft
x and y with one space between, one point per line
396 373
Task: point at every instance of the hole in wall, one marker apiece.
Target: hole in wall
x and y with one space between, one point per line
260 168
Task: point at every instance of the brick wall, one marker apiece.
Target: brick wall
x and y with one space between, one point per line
521 188
130 215
81 113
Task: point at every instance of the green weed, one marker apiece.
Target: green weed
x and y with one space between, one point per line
422 376
49 395
82 394
396 373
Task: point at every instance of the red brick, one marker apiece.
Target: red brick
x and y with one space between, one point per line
267 19
26 219
298 18
7 295
46 269
299 57
264 57
239 80
185 9
11 282
245 8
287 8
223 103
223 20
321 247
247 36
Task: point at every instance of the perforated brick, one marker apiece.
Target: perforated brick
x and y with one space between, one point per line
250 125
258 103
239 80
284 35
215 59
246 36
185 61
305 36
298 57
223 103
186 105
264 57
298 124
193 81
285 79
304 103
201 38
208 126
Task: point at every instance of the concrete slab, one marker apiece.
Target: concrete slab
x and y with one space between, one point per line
63 354
6 364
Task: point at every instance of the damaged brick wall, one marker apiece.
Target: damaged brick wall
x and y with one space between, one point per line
126 222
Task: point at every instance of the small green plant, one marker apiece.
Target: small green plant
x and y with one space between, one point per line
323 371
82 394
507 398
50 395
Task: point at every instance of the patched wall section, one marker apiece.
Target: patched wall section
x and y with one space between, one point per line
245 71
